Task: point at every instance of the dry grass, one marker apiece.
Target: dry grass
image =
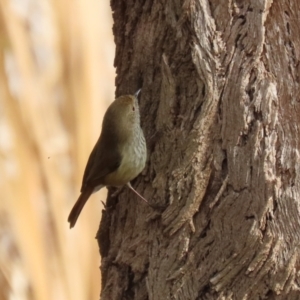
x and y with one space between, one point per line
56 79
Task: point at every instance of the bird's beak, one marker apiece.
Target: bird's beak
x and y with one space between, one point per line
137 93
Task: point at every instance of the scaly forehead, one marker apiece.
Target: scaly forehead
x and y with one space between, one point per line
127 99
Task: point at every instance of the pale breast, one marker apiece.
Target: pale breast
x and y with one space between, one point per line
132 163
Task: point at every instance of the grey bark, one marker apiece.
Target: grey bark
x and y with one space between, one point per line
220 111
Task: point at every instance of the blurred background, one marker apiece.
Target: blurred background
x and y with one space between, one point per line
56 81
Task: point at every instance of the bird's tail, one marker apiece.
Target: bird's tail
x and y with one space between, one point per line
78 206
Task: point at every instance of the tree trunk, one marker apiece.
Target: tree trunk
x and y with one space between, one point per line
220 110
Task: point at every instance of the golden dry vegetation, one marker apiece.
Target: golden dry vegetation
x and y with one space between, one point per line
56 80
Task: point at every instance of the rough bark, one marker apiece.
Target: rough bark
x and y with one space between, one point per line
220 111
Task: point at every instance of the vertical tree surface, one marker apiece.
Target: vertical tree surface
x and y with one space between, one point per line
220 110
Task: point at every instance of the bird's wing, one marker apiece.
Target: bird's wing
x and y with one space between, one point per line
88 166
104 159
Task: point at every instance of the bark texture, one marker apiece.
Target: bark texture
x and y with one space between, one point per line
220 111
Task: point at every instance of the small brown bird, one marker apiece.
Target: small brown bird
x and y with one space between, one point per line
119 154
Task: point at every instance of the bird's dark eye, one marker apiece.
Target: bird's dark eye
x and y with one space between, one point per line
133 108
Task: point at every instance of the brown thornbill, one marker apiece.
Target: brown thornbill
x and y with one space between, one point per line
119 154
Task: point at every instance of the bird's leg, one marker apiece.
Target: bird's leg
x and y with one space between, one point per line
130 186
117 192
